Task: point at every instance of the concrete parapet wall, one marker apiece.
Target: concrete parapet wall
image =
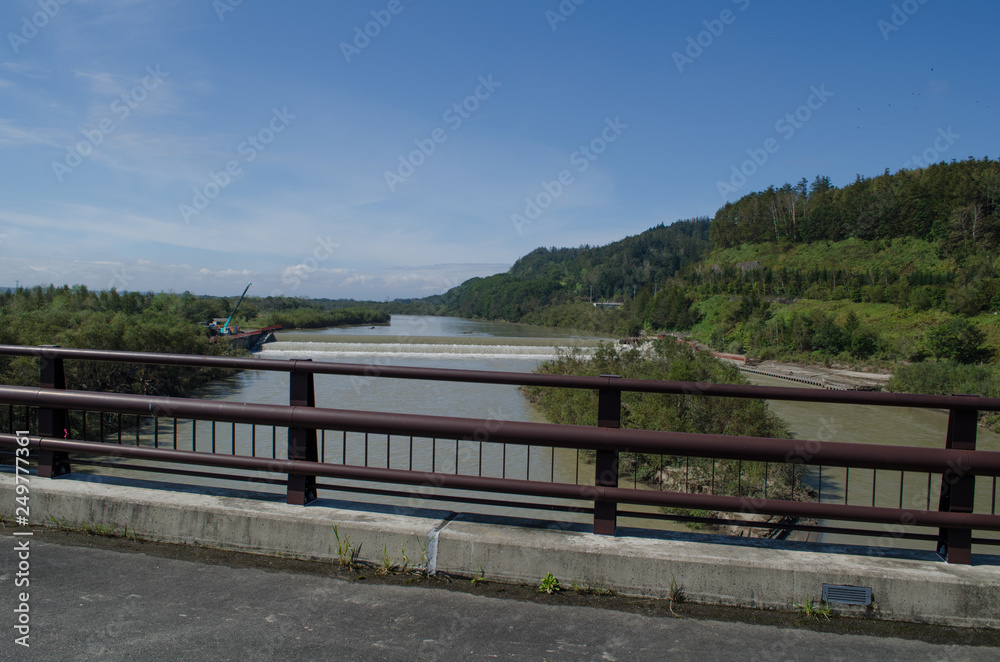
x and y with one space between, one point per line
709 569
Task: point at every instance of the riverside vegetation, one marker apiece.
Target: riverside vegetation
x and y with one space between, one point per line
669 360
79 318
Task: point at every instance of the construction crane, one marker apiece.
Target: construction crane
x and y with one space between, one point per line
225 327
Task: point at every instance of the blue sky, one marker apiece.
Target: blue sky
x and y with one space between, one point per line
394 148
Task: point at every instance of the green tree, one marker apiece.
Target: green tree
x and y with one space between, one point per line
957 340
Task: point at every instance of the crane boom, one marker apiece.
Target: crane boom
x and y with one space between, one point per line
225 327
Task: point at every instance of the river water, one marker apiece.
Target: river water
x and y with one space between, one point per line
456 343
924 428
421 341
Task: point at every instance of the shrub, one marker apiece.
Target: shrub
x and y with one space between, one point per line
958 340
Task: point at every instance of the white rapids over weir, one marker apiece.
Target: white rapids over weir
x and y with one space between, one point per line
352 348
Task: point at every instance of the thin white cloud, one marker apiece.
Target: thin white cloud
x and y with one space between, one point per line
24 67
13 135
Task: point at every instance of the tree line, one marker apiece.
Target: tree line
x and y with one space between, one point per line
143 321
953 204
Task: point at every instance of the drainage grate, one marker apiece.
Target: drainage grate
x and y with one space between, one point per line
847 595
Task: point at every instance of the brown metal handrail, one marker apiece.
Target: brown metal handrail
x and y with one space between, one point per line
876 515
958 463
613 383
689 444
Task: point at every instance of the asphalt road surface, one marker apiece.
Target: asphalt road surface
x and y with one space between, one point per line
112 599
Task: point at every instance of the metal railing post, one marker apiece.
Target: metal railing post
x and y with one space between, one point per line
301 442
609 412
52 422
958 488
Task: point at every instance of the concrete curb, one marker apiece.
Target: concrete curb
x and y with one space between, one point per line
709 569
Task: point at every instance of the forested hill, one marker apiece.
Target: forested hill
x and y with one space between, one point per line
806 271
542 283
952 204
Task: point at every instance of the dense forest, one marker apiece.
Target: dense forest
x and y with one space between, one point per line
954 205
555 286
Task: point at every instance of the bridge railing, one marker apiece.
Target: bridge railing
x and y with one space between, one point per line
49 410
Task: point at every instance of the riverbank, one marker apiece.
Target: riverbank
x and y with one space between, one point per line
832 378
812 374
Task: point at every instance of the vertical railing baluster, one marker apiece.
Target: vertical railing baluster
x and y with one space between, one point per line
609 412
52 422
993 508
301 441
958 488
